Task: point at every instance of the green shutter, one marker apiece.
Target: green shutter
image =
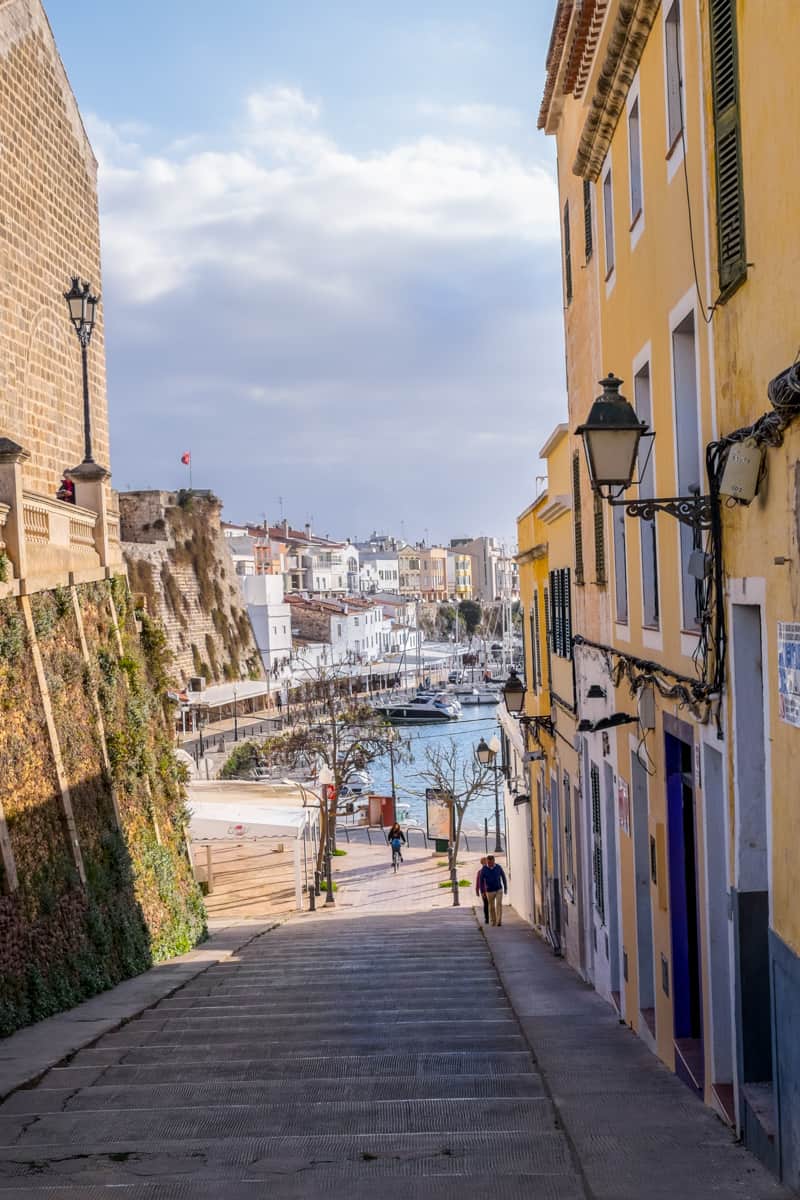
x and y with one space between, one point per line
597 847
567 254
727 128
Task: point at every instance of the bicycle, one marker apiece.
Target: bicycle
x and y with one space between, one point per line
397 857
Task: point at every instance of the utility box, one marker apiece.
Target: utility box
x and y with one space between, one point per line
741 471
441 845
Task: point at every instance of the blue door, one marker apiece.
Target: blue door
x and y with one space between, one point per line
687 998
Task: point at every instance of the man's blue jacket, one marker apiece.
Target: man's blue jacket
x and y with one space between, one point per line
494 878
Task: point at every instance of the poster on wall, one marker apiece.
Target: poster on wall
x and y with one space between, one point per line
439 807
789 672
624 804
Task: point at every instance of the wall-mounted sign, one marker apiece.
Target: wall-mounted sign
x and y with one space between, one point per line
789 672
624 805
440 813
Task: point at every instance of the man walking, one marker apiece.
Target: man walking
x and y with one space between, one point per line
480 890
493 879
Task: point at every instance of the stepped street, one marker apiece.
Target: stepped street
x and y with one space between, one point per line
392 1047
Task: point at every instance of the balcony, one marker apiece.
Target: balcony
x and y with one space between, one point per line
45 542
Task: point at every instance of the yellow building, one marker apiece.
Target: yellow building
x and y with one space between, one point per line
680 268
541 747
459 575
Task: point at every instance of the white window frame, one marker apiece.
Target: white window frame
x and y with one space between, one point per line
637 216
686 306
674 145
608 223
652 637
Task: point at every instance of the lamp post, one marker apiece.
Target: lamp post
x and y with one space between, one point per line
327 780
82 304
611 435
235 715
391 737
486 754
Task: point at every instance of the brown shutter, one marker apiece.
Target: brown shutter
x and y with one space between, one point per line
599 542
567 254
587 219
577 520
727 129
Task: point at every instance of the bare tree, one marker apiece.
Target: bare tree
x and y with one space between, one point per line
465 779
332 729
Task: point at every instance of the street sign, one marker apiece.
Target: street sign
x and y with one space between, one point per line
440 814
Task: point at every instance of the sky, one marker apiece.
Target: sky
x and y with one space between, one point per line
330 240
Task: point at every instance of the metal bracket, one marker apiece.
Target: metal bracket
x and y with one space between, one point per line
694 511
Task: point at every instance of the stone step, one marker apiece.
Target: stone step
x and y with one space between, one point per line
321 1179
331 1116
277 1091
419 1035
305 1024
383 1006
225 1050
431 1066
330 1164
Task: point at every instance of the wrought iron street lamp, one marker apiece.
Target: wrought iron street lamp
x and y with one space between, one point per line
486 753
82 305
611 435
514 696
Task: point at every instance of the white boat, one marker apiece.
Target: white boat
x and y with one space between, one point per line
482 695
437 706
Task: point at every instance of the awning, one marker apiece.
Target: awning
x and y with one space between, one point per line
232 822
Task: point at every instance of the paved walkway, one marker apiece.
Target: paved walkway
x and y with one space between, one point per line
365 1053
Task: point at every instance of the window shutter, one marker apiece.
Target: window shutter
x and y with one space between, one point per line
537 656
567 254
725 94
587 219
577 522
597 838
599 542
567 597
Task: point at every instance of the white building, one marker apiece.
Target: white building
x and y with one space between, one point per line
353 629
402 634
271 619
243 552
380 565
495 574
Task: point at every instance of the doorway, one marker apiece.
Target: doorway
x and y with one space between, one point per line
644 911
719 925
687 996
613 947
757 1117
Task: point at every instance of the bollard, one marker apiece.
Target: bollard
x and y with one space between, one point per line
312 898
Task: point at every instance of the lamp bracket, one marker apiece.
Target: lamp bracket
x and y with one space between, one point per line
694 511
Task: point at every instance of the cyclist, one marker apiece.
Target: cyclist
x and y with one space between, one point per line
396 839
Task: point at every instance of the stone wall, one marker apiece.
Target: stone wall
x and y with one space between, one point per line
177 558
95 878
48 232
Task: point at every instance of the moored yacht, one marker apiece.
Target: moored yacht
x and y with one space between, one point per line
435 706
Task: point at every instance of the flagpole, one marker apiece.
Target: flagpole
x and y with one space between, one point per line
191 489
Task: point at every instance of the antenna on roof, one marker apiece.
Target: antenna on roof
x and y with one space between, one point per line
280 502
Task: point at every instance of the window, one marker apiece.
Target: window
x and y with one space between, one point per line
608 219
599 542
560 613
688 465
577 525
620 566
536 635
672 42
587 219
597 845
635 161
727 137
569 854
338 629
647 529
567 255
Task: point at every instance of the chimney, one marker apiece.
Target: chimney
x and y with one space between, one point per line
285 525
308 529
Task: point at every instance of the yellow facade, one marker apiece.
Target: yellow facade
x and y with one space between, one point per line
676 185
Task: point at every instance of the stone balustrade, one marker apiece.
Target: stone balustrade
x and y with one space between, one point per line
47 542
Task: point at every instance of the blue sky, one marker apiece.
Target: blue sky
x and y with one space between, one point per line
331 258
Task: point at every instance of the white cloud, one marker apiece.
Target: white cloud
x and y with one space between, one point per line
476 118
295 298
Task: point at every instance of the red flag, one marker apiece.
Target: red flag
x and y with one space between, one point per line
186 458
